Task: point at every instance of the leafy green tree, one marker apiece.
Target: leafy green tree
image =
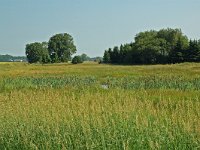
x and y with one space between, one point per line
61 47
172 37
37 52
148 45
54 57
45 53
84 57
45 45
77 60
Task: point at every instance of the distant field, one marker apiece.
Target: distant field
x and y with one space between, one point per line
92 106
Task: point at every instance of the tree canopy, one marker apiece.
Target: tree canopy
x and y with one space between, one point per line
37 52
61 47
149 47
77 60
9 58
85 57
155 47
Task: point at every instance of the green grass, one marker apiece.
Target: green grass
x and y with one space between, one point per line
63 106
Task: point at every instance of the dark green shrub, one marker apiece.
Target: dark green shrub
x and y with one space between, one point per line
77 60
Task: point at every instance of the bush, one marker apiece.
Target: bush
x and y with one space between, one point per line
77 60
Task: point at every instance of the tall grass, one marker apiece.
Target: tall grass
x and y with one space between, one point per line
72 111
134 83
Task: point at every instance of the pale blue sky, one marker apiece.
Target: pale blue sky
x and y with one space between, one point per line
94 24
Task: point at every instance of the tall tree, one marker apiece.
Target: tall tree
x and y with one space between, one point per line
193 52
125 54
177 54
61 47
149 46
115 56
172 37
37 52
106 57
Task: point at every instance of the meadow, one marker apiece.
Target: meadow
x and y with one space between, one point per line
97 106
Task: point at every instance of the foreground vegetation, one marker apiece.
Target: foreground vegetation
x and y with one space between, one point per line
91 106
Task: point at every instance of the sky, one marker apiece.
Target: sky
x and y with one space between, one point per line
95 25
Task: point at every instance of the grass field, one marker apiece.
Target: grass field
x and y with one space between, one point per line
92 106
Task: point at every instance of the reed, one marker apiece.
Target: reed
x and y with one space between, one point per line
67 108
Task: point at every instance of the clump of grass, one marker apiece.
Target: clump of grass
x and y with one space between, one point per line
145 82
8 84
154 82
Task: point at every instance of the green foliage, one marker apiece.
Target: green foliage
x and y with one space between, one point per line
125 51
124 83
149 46
61 47
84 57
9 58
106 57
37 53
54 57
193 52
177 54
97 59
115 55
154 47
77 60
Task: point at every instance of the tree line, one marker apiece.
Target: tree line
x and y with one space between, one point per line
9 58
58 49
155 47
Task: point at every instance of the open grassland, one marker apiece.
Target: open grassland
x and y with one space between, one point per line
92 106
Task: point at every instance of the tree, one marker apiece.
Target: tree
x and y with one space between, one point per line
54 57
177 55
45 54
114 55
148 46
125 54
106 57
193 52
37 52
61 47
84 57
173 38
153 47
77 60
